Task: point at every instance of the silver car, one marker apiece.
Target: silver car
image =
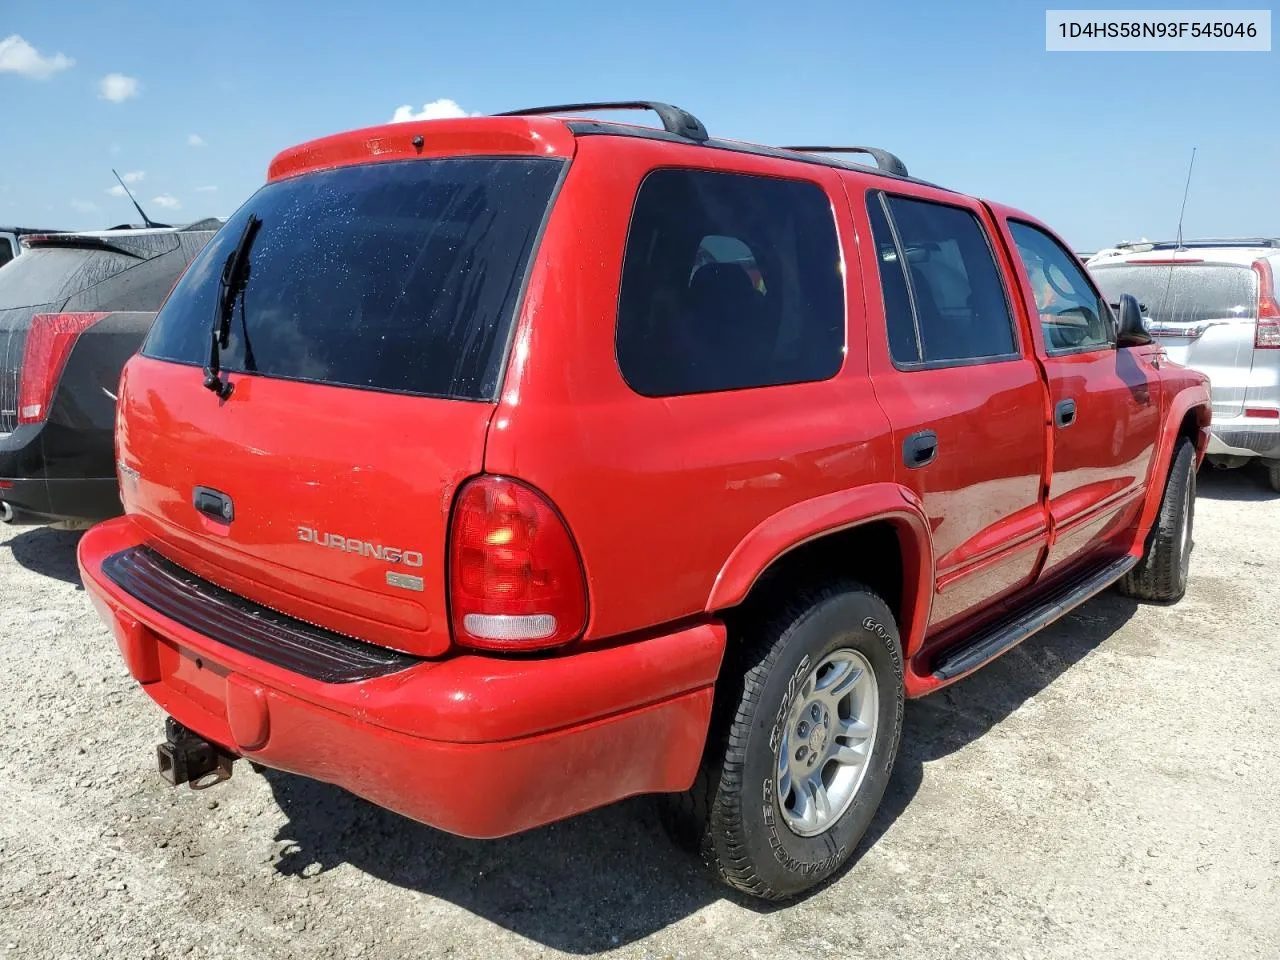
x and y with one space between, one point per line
1212 305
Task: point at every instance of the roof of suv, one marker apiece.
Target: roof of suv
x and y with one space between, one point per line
1243 250
508 129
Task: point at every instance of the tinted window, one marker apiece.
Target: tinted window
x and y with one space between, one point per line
6 251
397 276
1185 293
903 345
729 281
1072 314
959 304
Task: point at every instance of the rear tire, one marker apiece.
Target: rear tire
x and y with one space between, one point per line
1161 574
1273 476
820 683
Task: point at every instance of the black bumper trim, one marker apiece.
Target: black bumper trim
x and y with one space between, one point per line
238 623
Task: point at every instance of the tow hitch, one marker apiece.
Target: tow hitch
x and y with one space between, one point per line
186 757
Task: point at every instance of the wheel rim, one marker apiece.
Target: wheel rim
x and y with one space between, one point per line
827 741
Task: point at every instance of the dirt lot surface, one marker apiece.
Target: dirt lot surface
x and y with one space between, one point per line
1111 788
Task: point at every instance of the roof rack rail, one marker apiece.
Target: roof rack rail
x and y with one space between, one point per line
1204 242
884 159
674 120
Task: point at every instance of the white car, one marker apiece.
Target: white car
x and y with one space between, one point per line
1212 305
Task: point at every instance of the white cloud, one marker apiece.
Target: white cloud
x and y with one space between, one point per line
118 88
209 189
132 176
441 109
84 206
195 140
18 56
167 201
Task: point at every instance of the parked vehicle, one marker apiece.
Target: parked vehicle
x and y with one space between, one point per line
72 310
1212 305
450 479
10 245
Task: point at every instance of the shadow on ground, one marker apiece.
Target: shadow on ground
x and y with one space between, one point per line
1248 483
48 552
611 877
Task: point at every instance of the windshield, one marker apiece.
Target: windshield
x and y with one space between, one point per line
1185 292
399 276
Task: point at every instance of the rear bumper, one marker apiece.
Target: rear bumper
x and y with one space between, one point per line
79 483
477 746
1245 437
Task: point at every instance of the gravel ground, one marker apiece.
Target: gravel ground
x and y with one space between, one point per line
1108 789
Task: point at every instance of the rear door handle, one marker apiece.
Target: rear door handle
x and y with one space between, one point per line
920 449
1064 414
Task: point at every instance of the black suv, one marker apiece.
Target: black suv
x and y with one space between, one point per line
73 308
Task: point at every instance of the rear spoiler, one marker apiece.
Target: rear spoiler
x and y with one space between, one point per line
138 246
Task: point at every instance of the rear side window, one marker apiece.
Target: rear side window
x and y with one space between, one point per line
729 281
958 308
6 250
400 276
1183 293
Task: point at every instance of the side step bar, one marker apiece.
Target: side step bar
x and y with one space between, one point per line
1007 632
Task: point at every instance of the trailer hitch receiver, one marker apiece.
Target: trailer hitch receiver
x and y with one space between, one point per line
186 757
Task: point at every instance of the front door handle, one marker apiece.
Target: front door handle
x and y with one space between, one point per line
920 449
1064 414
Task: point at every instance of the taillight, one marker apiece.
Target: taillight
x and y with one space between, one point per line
1267 335
49 343
515 579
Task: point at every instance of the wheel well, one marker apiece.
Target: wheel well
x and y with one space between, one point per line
870 553
1192 421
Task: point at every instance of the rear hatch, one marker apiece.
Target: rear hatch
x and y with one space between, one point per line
365 350
1203 314
42 280
57 268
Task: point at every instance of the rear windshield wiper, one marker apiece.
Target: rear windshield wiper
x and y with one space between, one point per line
235 275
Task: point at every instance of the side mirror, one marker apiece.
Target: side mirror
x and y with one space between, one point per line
1130 330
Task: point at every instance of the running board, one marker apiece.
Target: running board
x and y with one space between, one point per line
1009 631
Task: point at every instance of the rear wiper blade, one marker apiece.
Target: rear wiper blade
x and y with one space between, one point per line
235 275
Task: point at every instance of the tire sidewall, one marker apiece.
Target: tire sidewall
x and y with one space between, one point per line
857 620
1181 504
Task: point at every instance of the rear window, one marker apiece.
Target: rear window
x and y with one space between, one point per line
6 250
729 281
47 275
1183 293
400 276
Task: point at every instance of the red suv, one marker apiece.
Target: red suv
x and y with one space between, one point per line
500 468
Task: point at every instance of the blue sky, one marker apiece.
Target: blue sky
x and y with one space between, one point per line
1095 144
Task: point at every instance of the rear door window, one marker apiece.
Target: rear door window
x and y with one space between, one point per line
944 300
729 281
401 276
1072 315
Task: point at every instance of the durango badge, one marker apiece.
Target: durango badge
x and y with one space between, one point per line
375 551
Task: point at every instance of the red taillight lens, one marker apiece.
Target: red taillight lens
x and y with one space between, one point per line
515 579
49 343
1267 335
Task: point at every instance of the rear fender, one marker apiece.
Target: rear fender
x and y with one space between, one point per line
1196 398
832 513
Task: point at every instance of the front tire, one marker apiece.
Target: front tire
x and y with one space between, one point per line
1161 574
804 744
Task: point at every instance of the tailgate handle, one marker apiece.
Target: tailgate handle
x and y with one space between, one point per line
213 503
1064 414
